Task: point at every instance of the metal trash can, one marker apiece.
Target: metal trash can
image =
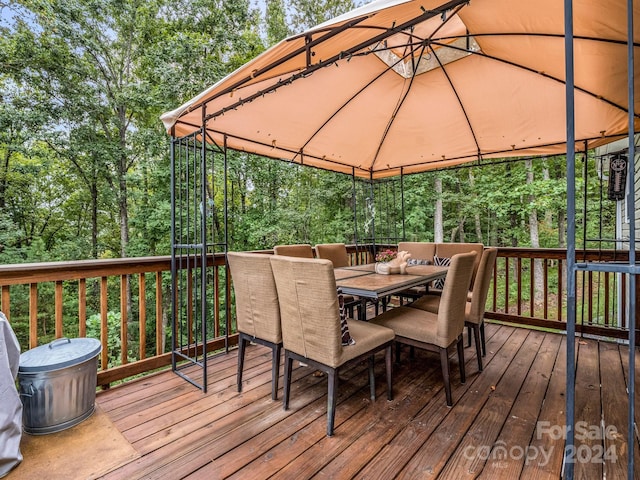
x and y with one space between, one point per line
57 384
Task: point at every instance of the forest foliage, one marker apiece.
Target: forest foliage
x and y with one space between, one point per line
85 163
84 158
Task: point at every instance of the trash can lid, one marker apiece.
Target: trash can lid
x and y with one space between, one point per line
61 353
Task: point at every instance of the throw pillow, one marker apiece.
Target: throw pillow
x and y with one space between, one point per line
440 262
347 339
418 261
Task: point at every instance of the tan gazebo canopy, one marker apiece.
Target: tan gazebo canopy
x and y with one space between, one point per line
417 85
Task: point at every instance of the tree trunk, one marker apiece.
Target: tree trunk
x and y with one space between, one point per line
513 217
438 231
562 220
93 188
548 215
476 214
4 178
534 235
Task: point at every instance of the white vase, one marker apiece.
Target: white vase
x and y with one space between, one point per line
382 268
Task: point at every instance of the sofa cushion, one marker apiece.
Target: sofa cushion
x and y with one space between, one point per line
451 249
440 262
420 250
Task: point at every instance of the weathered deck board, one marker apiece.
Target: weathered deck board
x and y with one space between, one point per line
520 425
183 433
614 415
397 453
469 457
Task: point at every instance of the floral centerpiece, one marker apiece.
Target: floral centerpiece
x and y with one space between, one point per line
386 255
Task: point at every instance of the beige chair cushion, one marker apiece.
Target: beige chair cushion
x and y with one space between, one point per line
412 323
257 308
336 252
367 336
302 250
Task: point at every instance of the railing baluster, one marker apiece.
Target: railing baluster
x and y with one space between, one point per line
506 285
124 343
532 289
33 315
104 326
519 282
142 316
159 332
216 304
623 311
495 286
545 293
190 306
559 300
58 309
606 298
590 299
82 307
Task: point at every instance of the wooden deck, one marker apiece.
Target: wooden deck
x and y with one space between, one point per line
506 422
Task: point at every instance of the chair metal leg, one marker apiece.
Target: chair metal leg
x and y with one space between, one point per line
444 362
372 378
242 343
331 400
476 334
398 346
389 366
460 346
362 310
288 365
468 335
484 345
275 371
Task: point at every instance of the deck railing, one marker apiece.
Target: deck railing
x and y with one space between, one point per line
126 303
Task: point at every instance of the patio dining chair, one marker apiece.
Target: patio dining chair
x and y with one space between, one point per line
336 252
311 328
301 250
475 305
437 332
257 309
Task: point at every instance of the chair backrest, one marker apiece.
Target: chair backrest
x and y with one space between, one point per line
257 307
454 297
309 308
481 285
336 252
419 250
302 250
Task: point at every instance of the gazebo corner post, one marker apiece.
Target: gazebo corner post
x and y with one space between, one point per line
569 451
203 248
225 214
631 207
174 280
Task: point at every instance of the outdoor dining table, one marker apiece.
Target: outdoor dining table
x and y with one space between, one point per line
363 282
